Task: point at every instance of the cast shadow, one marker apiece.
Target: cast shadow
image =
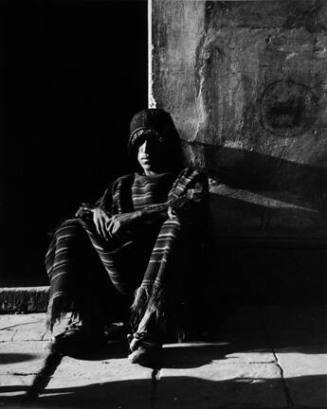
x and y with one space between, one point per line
111 350
183 391
242 218
244 338
280 179
15 357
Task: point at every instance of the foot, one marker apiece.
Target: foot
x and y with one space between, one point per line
145 356
144 351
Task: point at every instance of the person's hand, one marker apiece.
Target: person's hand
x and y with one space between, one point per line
118 222
101 220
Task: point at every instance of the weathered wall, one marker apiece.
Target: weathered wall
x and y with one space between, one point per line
246 83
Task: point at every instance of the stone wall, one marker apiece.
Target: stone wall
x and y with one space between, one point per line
246 82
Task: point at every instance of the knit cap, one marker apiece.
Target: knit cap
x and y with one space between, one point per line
152 122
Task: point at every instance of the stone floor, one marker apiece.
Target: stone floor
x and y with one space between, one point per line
271 357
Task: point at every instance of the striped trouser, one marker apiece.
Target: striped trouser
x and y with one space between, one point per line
78 259
162 284
76 263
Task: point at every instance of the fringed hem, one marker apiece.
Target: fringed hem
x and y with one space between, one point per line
157 304
57 308
141 298
150 303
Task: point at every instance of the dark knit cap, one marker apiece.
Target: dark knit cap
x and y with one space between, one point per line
154 122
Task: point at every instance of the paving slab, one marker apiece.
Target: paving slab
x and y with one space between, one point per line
305 377
210 377
97 381
105 383
8 321
298 337
260 359
29 327
22 357
102 379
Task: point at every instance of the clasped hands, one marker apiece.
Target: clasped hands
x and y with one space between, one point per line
107 225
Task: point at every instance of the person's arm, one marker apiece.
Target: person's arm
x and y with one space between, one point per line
98 213
187 195
153 212
187 198
108 218
148 215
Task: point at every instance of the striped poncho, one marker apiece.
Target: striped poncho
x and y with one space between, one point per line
142 264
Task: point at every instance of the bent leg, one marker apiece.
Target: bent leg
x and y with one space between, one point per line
60 261
149 310
78 281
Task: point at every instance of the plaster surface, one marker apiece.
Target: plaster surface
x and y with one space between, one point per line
245 82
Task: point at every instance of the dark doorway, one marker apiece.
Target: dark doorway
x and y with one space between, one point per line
72 75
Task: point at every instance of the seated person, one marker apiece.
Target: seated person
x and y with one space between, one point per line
131 254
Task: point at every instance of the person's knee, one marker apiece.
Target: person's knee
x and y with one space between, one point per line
69 224
70 230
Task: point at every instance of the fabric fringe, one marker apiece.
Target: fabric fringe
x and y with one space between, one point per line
157 304
149 301
141 298
58 307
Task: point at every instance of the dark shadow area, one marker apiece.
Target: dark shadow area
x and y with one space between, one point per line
300 329
249 330
195 355
72 75
266 274
13 358
112 350
191 356
236 216
190 392
266 252
276 178
282 329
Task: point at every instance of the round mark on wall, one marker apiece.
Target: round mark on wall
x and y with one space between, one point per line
288 108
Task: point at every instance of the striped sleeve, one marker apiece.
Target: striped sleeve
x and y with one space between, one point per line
191 184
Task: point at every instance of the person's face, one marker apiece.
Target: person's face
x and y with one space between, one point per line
148 155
